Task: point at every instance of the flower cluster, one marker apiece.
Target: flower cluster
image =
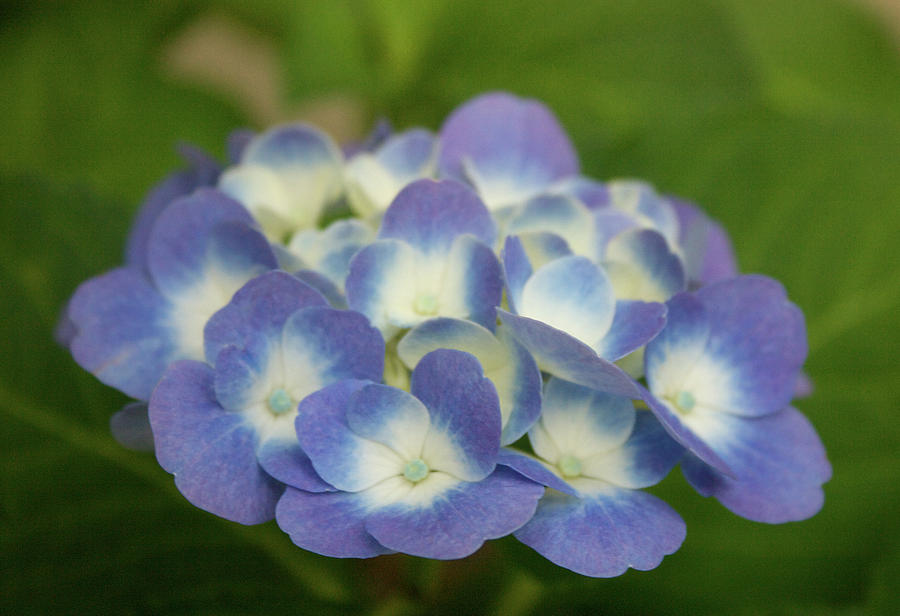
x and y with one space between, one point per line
480 342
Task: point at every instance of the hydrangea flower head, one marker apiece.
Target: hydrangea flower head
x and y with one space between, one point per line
369 382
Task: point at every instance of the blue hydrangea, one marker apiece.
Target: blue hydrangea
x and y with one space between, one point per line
356 343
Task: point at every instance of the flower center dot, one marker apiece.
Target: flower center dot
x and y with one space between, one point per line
570 466
425 304
280 402
415 470
685 401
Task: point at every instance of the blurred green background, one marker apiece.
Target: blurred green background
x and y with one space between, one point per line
782 118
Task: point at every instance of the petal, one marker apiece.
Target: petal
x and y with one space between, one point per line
472 284
429 215
642 461
534 469
705 245
339 455
261 191
590 192
456 524
284 460
203 171
604 533
391 417
258 311
641 266
212 453
778 461
581 421
382 285
131 427
561 216
572 295
321 346
308 165
179 244
516 270
506 363
758 338
331 524
678 429
122 336
514 147
330 251
562 355
640 200
634 325
464 437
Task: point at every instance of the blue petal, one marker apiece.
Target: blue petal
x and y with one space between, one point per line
330 345
330 251
324 286
641 201
516 270
339 455
203 171
561 216
678 430
457 524
590 192
642 461
572 295
464 410
131 427
212 453
779 465
177 249
506 363
708 255
122 336
605 533
258 311
330 524
429 215
391 417
634 325
581 421
408 154
641 266
564 356
534 469
285 461
514 147
758 336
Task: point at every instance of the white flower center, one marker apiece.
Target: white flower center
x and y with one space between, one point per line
684 401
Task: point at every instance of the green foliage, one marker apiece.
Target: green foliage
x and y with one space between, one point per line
780 118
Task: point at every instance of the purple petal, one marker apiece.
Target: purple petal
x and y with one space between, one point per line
203 171
237 142
560 215
212 453
285 461
533 469
634 325
324 286
516 269
331 523
331 345
758 336
779 465
391 417
573 295
131 427
178 244
472 283
590 192
463 406
562 355
642 267
642 461
705 244
430 215
339 455
258 311
519 387
407 154
121 332
804 387
682 433
457 524
509 142
604 534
